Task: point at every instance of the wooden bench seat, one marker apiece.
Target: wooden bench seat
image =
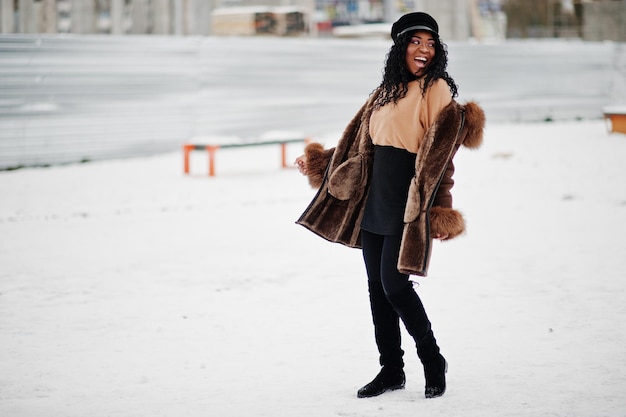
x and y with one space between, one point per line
212 149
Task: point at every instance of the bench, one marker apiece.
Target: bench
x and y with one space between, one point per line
617 118
212 149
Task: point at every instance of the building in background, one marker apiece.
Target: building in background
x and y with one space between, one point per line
592 20
259 20
458 19
229 17
604 20
117 17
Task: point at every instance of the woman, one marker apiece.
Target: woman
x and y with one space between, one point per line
385 188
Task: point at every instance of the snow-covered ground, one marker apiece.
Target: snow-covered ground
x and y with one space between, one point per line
128 289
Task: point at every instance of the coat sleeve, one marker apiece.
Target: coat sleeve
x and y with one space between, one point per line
317 159
443 197
443 218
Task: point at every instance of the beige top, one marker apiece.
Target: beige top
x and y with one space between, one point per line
404 124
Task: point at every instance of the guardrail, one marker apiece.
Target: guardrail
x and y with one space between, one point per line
78 98
69 98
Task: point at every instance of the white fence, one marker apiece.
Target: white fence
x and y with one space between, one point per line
77 98
68 99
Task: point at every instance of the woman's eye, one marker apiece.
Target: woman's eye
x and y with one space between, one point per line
430 45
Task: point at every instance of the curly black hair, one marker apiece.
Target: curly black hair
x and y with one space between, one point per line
396 75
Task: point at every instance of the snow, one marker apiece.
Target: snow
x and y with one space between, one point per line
614 110
130 289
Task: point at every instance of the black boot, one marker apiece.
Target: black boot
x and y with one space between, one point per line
388 379
386 327
411 310
435 375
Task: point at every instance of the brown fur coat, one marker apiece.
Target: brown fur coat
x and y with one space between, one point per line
342 176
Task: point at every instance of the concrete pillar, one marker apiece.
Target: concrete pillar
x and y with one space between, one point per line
476 26
199 17
161 17
28 21
179 17
452 17
390 12
84 16
140 17
49 16
117 17
7 16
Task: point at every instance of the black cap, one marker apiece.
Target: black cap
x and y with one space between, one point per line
411 22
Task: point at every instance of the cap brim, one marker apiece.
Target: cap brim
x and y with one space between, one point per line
417 27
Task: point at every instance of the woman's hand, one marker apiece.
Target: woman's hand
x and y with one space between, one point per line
441 236
302 164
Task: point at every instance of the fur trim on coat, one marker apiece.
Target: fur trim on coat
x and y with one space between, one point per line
342 175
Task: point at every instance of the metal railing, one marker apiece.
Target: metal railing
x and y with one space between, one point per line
71 98
68 98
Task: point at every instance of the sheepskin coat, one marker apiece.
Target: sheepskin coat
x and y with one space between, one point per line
342 175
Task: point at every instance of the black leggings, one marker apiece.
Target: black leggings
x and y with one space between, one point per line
380 253
392 298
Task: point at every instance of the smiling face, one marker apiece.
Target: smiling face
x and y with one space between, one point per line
420 52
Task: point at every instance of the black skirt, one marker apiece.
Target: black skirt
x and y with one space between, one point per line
389 187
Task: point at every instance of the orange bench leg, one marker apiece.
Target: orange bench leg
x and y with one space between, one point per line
283 154
618 122
186 151
211 150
